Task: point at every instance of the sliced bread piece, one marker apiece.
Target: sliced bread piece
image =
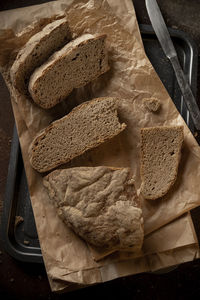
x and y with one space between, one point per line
160 156
76 64
100 204
85 127
37 50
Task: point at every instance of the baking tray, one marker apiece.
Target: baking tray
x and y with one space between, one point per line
21 241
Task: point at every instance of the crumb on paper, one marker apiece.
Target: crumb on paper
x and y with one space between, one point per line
26 242
18 220
152 104
196 134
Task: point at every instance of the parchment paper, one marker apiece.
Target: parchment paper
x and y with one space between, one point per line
131 77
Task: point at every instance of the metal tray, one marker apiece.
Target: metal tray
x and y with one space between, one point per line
21 241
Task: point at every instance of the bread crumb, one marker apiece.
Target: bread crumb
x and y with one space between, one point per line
18 220
196 134
152 104
156 143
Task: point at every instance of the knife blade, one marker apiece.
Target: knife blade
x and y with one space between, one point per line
166 43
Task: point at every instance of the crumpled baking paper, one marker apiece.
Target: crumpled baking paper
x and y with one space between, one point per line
132 78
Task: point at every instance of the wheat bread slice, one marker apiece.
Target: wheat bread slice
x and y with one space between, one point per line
76 64
100 204
37 50
85 127
160 156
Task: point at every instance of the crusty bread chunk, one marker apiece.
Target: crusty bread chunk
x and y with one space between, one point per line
160 156
37 50
100 204
76 64
85 127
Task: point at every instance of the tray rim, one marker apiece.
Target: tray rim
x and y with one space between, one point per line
31 257
176 33
24 253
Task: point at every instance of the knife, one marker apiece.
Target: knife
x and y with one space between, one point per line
163 36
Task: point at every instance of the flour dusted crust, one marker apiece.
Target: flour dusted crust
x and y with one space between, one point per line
100 204
37 50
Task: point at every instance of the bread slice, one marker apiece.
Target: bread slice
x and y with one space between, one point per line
100 204
76 64
160 156
85 127
37 50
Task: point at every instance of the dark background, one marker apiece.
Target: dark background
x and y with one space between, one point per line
29 281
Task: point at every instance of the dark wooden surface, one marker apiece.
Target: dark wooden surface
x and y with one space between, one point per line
29 281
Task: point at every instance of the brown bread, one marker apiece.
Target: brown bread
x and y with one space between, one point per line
160 156
152 104
100 204
85 127
76 64
37 50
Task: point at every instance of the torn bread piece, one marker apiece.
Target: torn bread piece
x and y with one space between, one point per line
160 156
76 64
100 204
152 104
86 126
37 50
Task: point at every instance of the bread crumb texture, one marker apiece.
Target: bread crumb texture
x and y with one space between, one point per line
160 156
37 50
76 64
99 203
85 127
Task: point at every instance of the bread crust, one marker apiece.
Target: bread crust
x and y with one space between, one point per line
25 62
170 180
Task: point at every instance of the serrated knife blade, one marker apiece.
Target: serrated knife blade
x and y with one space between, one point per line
166 43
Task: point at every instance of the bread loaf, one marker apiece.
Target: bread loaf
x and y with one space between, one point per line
160 156
100 204
85 127
37 50
76 64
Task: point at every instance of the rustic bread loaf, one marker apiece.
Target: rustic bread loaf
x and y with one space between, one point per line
37 50
85 127
160 156
100 204
76 64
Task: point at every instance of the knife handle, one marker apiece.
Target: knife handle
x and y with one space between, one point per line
186 92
